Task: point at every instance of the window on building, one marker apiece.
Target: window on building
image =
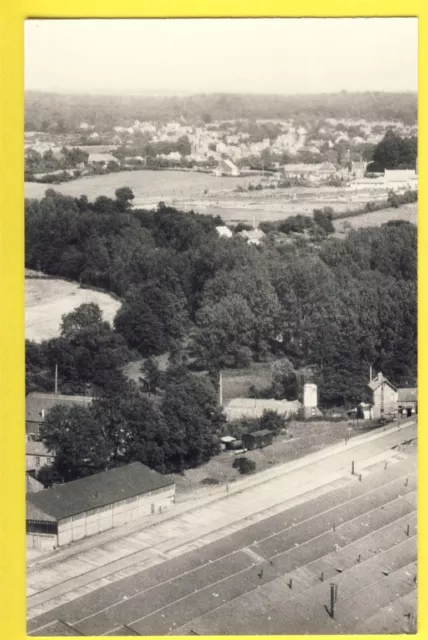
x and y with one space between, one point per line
37 461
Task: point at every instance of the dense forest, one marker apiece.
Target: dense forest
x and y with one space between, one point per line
337 304
64 113
329 306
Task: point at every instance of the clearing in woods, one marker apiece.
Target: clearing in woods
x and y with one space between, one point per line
48 299
408 212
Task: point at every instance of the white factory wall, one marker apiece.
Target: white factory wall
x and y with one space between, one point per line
114 515
41 541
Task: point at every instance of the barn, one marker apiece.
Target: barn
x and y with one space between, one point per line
75 510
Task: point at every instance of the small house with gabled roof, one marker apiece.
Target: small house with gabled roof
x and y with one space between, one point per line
383 396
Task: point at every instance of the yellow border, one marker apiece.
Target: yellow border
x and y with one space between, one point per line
12 15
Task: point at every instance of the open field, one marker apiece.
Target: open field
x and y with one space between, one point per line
408 212
48 299
208 194
147 185
259 572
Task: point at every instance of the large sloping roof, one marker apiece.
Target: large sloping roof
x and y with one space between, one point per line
64 500
378 380
57 628
37 402
253 408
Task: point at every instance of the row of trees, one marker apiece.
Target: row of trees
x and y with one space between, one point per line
339 304
124 426
108 111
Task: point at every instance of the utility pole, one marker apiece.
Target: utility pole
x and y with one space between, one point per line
56 379
333 596
220 388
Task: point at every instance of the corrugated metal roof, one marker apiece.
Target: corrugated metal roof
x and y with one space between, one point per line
57 628
79 496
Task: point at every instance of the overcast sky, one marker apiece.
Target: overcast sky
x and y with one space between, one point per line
240 55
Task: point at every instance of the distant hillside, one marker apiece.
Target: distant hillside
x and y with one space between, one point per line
42 109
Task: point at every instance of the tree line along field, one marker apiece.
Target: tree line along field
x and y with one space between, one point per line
47 300
407 212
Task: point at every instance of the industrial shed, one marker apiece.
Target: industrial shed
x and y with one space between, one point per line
75 510
257 439
239 408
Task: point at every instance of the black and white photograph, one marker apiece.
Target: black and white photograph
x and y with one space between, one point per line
221 326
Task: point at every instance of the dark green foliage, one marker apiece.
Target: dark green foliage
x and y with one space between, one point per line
394 152
338 304
151 317
107 112
193 417
323 218
88 354
245 465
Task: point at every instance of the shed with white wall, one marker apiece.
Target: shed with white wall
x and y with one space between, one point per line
75 510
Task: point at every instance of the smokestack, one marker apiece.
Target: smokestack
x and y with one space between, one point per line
220 388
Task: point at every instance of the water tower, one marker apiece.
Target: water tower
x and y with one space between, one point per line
310 398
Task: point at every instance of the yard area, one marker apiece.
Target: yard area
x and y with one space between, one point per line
300 440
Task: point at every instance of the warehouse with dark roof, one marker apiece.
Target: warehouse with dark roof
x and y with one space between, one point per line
75 510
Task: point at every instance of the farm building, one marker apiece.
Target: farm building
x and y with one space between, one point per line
383 396
400 175
257 439
253 408
36 455
253 236
226 168
39 404
68 512
311 172
224 232
407 401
